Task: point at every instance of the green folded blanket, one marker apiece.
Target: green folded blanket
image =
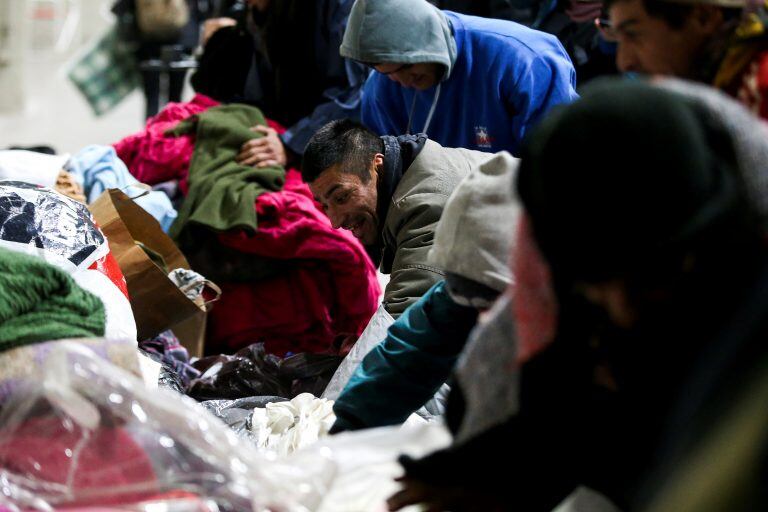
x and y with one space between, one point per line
222 193
40 302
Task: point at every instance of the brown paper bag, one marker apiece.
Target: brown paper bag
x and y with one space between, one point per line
156 301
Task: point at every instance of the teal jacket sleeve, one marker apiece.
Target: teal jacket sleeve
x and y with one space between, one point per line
405 370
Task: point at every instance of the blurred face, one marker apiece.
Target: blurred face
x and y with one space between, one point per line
350 203
650 45
413 76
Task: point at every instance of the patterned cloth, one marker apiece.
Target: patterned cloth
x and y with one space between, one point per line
106 73
167 347
743 71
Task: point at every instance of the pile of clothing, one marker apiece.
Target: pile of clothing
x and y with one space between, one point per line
96 413
289 280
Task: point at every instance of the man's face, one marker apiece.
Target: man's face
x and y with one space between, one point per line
650 45
413 76
348 202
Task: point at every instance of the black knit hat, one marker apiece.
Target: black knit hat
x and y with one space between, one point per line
626 174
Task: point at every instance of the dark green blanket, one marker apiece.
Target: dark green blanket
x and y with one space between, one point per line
40 302
222 193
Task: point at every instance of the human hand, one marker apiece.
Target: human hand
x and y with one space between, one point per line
434 498
212 25
415 492
265 151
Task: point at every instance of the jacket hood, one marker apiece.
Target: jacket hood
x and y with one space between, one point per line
399 31
474 235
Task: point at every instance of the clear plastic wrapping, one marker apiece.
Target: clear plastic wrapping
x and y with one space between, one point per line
90 434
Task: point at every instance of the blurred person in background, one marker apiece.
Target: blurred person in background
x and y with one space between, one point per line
465 81
165 33
296 76
718 42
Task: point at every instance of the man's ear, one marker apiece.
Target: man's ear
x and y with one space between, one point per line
378 164
708 19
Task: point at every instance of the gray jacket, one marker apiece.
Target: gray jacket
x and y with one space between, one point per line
414 211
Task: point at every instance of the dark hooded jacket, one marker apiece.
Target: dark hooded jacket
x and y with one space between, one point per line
618 410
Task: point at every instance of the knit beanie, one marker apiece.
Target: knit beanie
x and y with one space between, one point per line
40 302
626 174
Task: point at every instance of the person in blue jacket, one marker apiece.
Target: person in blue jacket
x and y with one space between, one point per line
297 76
472 244
465 81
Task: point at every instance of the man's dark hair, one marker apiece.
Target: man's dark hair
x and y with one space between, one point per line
673 13
345 143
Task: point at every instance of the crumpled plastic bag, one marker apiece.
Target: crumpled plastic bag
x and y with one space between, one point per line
88 434
238 414
43 223
250 372
188 281
308 373
284 427
254 372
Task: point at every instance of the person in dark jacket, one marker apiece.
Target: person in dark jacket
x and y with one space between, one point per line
155 54
297 76
472 245
660 266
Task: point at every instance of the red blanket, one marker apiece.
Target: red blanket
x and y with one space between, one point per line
330 292
151 156
105 465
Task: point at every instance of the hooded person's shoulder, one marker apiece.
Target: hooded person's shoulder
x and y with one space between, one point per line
487 35
438 170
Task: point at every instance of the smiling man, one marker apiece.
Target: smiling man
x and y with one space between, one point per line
465 81
390 192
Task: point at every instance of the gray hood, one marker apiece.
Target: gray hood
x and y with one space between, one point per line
474 236
398 31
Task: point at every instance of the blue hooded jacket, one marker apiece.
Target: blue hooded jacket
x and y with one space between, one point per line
501 77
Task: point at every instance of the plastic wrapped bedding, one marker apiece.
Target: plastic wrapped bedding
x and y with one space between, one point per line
91 435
